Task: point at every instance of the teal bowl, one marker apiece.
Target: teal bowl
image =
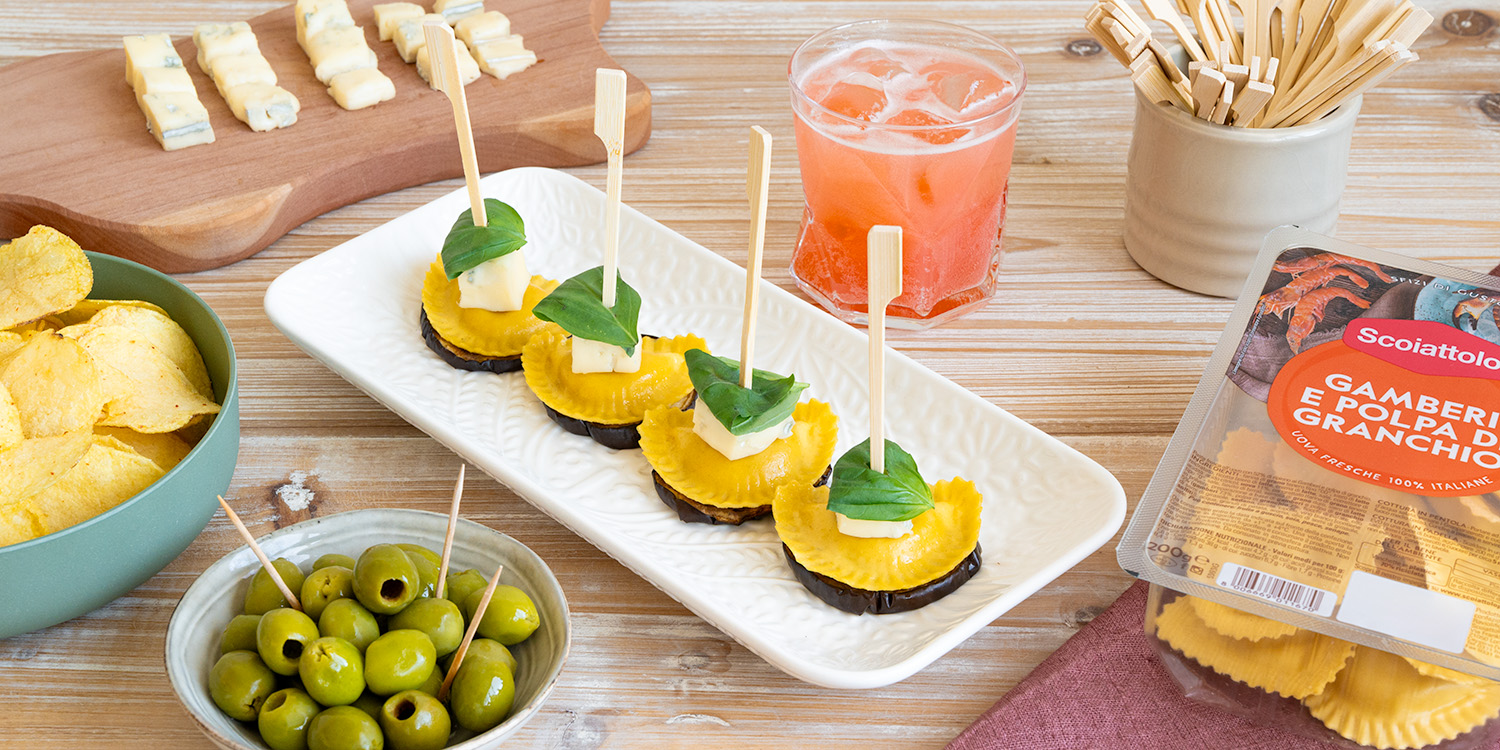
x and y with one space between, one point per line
60 576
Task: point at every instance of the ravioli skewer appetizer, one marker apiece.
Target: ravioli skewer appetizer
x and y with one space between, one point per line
597 376
720 460
477 299
878 538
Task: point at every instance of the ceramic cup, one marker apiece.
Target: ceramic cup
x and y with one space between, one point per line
1200 197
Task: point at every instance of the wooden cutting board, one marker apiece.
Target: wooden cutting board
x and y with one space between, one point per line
76 154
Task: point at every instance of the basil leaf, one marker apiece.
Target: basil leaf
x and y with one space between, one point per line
468 245
769 399
578 306
857 491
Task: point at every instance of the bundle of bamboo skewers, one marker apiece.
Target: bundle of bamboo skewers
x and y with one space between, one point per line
1296 61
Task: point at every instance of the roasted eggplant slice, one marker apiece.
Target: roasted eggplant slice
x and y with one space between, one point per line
464 359
859 601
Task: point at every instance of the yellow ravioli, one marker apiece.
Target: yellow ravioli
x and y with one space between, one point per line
1382 701
1296 665
484 332
1233 623
941 538
703 474
609 398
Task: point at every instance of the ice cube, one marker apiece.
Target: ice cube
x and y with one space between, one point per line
860 97
936 133
967 91
876 62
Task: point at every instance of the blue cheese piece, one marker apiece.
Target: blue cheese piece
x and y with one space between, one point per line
163 81
457 10
597 356
388 16
215 40
731 446
498 284
148 51
468 68
339 50
409 37
317 16
238 70
482 27
504 57
263 106
361 88
177 120
871 529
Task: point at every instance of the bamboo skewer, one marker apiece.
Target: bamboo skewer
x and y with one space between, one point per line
758 188
444 72
463 646
884 246
1166 12
458 493
260 554
609 126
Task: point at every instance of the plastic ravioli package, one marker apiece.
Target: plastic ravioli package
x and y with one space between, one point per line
1324 528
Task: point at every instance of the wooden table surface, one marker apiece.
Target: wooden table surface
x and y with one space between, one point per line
1078 341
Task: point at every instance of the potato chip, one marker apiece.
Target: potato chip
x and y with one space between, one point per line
1296 665
42 273
36 463
110 473
11 433
145 391
55 385
193 431
162 332
1233 623
1381 700
165 449
9 342
83 311
18 524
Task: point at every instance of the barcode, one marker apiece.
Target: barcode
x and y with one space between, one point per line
1276 589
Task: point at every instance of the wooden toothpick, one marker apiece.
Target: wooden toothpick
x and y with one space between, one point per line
463 646
609 125
884 244
444 72
259 553
758 186
458 493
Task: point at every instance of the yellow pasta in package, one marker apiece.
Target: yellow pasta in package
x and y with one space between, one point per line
1325 525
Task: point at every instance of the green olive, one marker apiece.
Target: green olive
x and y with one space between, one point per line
440 619
399 660
415 721
284 718
239 683
370 703
239 634
417 550
263 596
281 636
427 574
332 670
484 648
344 728
333 561
482 694
434 682
460 585
326 585
510 618
348 619
385 580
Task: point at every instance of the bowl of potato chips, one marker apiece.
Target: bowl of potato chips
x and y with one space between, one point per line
119 424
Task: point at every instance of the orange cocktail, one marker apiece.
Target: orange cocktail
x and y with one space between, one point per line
909 123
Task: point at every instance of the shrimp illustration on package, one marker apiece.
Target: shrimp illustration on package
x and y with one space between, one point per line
1325 526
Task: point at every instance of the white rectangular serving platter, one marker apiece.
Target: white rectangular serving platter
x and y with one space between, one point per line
1046 506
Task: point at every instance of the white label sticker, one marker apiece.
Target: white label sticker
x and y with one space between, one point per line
1407 612
1277 589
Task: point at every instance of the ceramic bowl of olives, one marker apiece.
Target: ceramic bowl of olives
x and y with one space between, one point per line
360 664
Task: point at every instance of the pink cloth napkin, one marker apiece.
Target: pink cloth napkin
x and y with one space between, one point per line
1106 689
